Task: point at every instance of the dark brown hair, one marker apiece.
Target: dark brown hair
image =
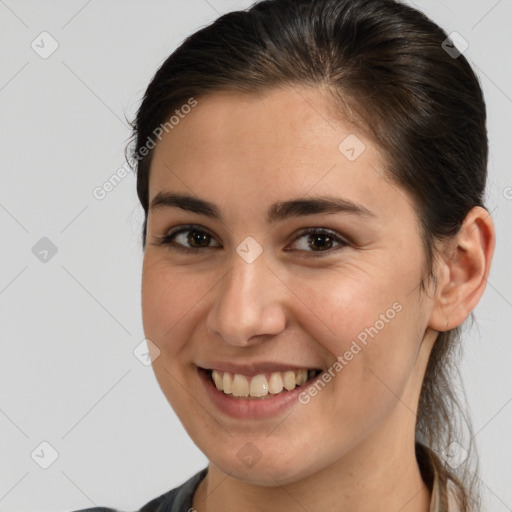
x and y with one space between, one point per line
387 70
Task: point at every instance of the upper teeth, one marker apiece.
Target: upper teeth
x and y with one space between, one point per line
259 385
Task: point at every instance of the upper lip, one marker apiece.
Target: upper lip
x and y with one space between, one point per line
251 369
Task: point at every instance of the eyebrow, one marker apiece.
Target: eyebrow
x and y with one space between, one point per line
277 212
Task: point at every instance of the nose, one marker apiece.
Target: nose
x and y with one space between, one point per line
248 303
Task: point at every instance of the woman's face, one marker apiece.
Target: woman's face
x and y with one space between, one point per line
256 296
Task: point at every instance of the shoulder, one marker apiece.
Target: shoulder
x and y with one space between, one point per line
178 499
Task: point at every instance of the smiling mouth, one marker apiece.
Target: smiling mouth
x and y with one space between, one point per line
260 386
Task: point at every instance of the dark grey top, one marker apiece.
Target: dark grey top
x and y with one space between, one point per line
178 499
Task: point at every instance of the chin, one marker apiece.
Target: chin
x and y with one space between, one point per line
267 471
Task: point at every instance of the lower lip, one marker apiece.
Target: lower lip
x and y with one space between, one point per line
236 407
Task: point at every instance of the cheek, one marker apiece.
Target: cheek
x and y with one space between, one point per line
368 323
347 304
168 301
169 298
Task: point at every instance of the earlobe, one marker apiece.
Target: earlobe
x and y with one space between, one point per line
463 270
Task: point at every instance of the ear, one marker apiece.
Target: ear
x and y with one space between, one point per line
463 270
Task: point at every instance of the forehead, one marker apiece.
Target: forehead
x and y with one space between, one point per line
287 142
277 122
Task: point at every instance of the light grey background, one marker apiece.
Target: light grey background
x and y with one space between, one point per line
69 326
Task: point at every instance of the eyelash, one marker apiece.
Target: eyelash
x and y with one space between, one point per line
168 239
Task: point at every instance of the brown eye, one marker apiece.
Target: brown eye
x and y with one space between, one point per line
188 239
198 238
319 240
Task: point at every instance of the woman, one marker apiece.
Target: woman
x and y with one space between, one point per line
312 174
